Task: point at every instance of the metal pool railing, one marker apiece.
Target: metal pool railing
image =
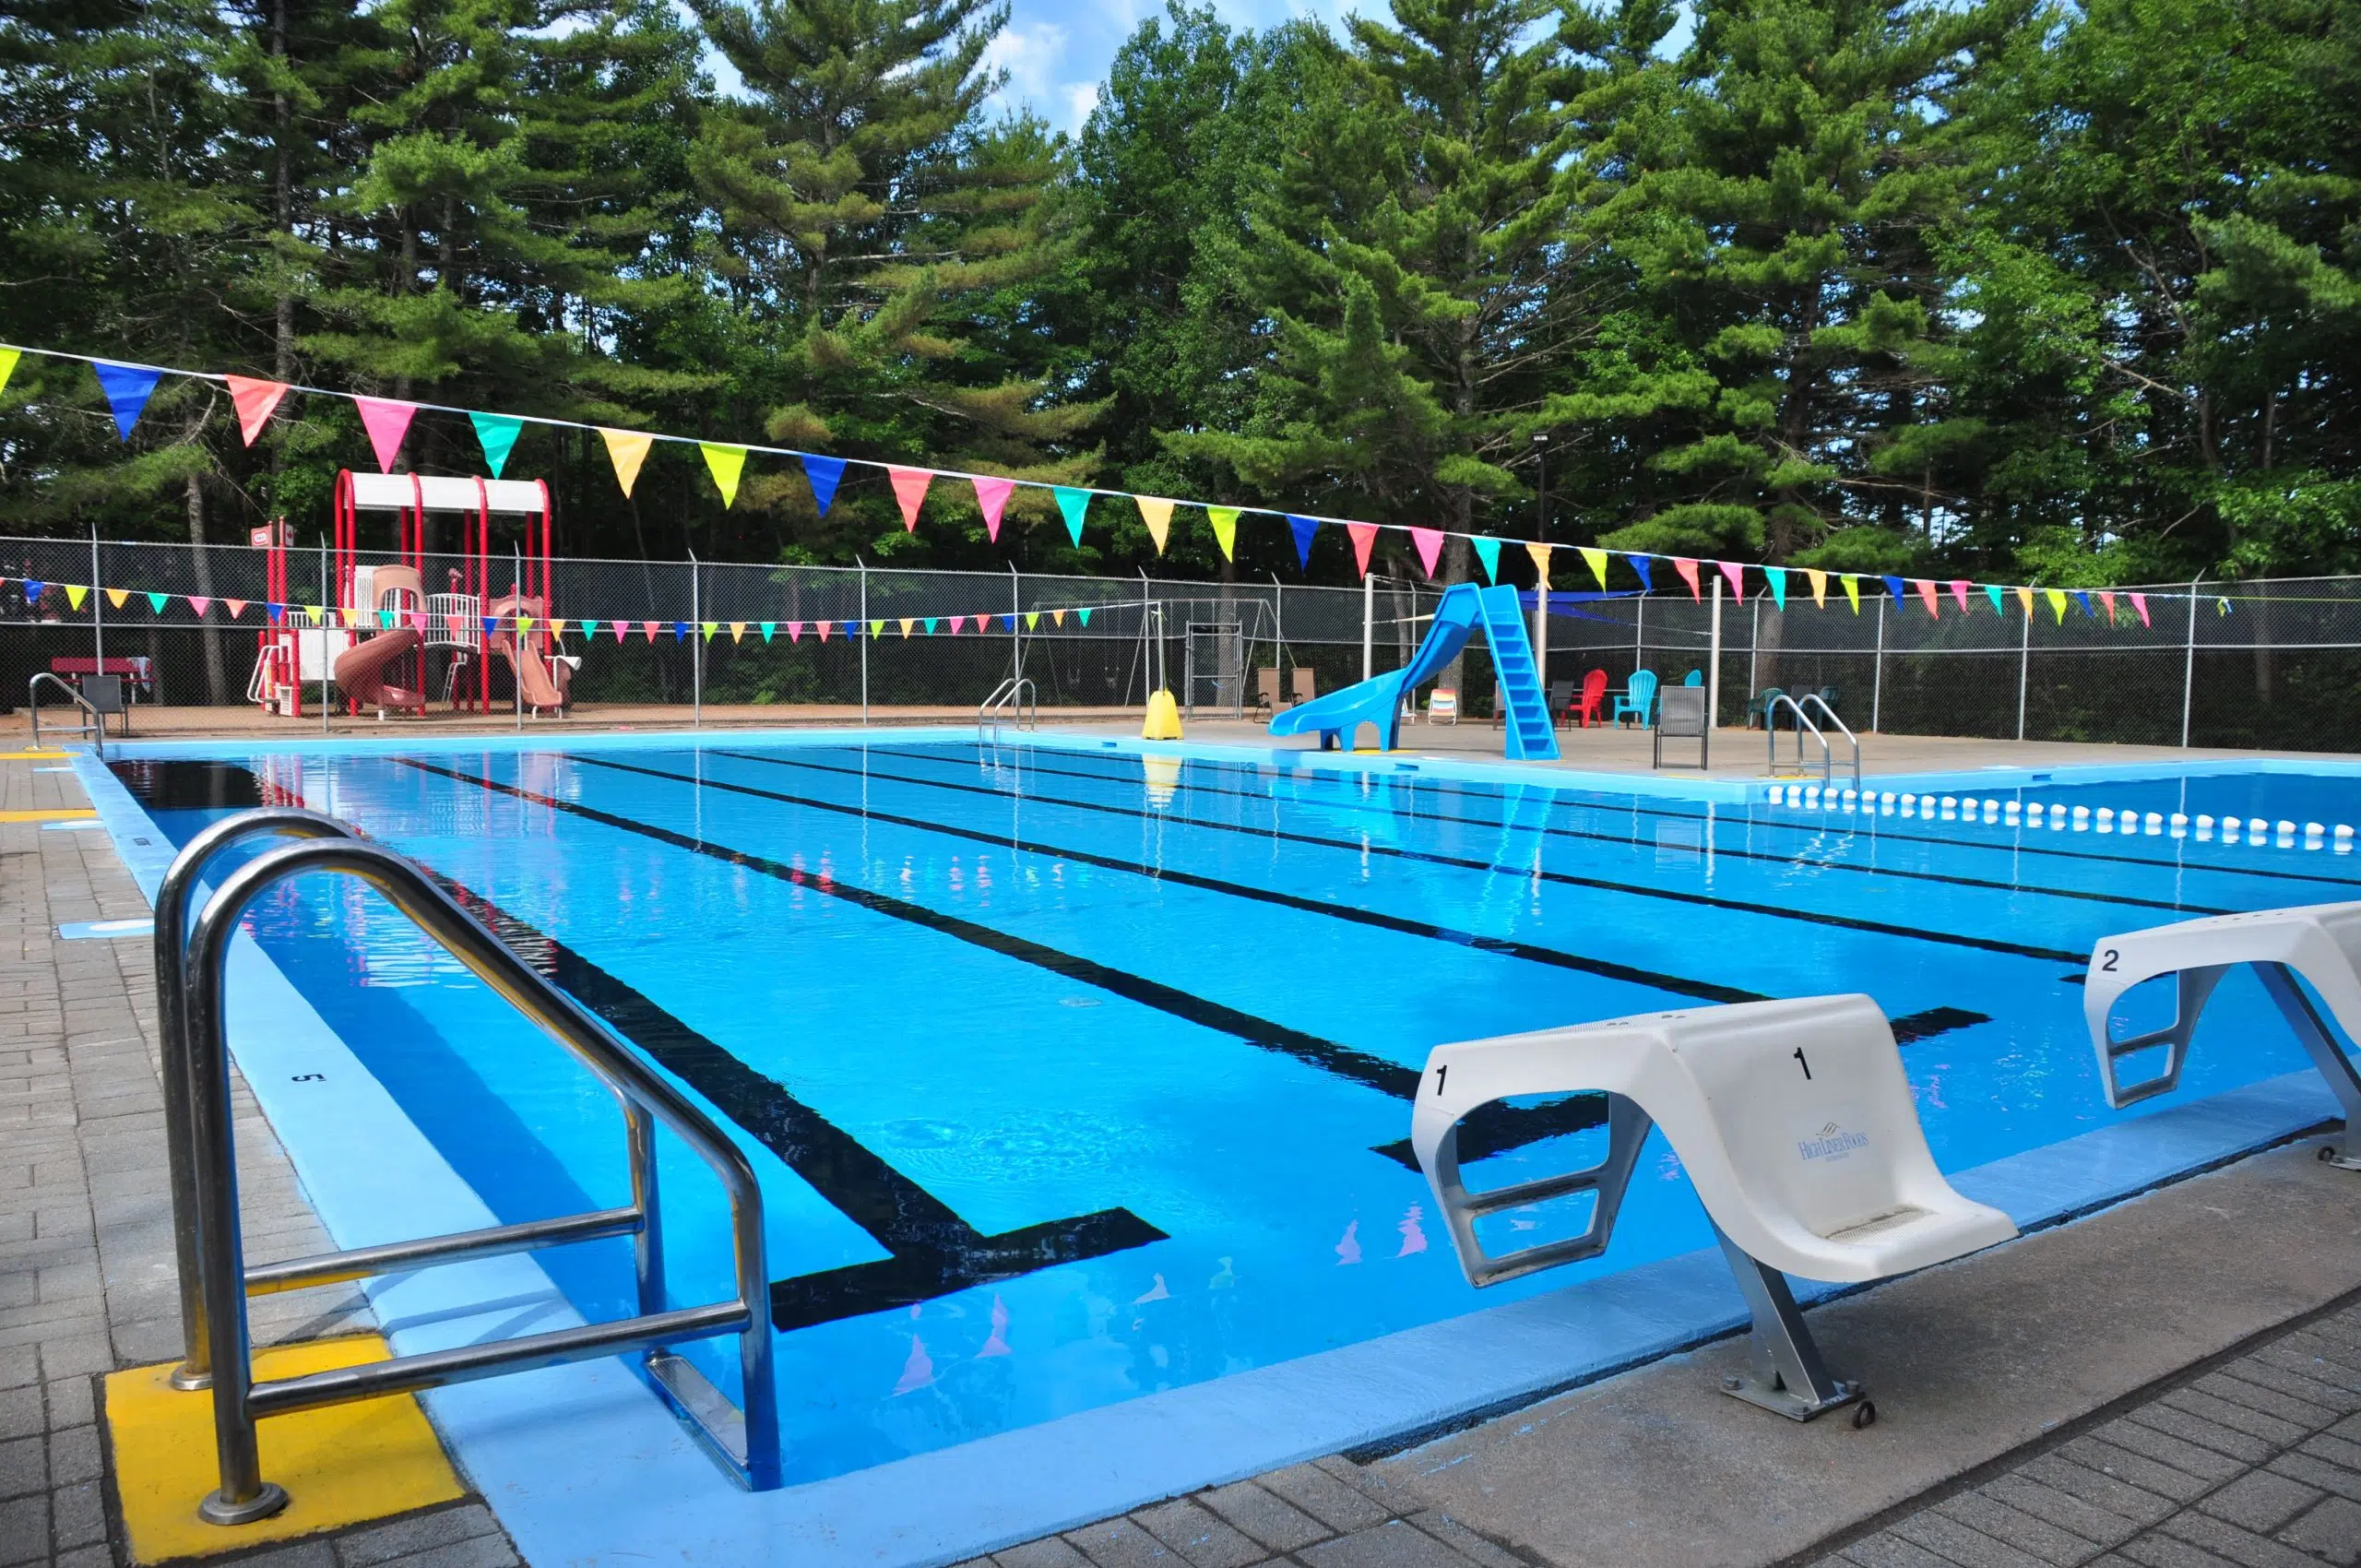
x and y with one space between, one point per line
205 1186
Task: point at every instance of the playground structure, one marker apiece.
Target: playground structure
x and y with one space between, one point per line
1465 608
384 633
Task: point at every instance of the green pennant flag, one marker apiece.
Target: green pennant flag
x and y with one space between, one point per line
1487 551
497 435
156 602
930 625
1225 522
1073 504
1992 592
725 463
590 628
768 627
1084 614
1032 620
1778 579
710 629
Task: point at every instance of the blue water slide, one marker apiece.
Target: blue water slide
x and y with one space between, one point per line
1338 716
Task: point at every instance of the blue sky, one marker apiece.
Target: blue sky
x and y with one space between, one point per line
1056 52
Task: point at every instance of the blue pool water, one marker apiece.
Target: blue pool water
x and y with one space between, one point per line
1071 1076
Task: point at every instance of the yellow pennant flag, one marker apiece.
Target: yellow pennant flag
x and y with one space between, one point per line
1819 587
74 594
557 624
627 449
906 624
725 463
1225 522
1058 617
311 613
2058 603
1032 620
524 624
1597 558
1157 513
8 358
737 631
116 596
1540 553
2024 597
1853 593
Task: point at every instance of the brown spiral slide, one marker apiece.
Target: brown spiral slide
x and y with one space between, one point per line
361 669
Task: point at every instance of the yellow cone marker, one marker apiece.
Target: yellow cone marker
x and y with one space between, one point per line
1163 718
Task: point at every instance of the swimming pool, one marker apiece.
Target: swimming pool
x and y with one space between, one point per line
1075 1073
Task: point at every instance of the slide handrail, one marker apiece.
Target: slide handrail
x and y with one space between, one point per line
746 1438
96 727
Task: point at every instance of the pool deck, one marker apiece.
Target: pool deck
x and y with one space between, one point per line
2105 1391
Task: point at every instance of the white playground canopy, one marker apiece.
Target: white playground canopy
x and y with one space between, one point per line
445 493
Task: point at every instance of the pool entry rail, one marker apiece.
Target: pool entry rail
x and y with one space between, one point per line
1014 698
1800 708
190 992
95 725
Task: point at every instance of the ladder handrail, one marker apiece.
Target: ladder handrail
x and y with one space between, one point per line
1803 722
1011 694
1821 703
97 726
201 1054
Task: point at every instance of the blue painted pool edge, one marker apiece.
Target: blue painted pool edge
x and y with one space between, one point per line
582 1464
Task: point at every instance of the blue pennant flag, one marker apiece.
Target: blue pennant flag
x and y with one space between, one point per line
1303 529
1009 620
1892 586
1640 565
2083 598
278 613
825 474
491 624
680 630
33 590
128 388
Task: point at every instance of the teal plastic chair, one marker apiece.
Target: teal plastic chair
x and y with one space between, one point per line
1638 699
1694 678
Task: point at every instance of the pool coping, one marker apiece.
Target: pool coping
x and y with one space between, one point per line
583 1462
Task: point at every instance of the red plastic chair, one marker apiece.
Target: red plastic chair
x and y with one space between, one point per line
1585 708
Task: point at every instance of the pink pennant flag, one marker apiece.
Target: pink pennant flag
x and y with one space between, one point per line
454 624
237 607
2139 602
2106 597
387 422
1688 570
958 622
1959 592
909 489
1926 586
1429 543
255 401
1735 574
991 494
823 626
417 619
648 629
621 628
795 631
1364 535
199 605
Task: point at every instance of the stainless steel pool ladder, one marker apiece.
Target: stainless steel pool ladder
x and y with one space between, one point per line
1804 722
215 1280
1015 696
97 727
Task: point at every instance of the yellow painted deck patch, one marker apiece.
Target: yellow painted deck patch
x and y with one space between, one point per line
31 756
50 814
339 1465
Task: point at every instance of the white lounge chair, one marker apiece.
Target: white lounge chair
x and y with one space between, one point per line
2319 942
1795 1124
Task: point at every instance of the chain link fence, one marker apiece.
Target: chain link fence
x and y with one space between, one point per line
2268 664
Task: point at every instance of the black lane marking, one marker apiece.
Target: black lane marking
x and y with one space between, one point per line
1513 1125
935 1253
1429 857
1679 985
1912 1027
1874 826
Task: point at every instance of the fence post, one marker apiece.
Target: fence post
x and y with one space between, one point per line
1016 626
1877 676
2188 665
1754 654
98 623
2024 666
322 632
1280 630
1714 662
863 636
1640 632
696 646
1369 626
517 631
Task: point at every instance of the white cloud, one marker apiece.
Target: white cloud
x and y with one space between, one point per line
1081 99
1031 55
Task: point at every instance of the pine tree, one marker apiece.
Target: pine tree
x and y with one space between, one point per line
1424 257
1784 214
883 242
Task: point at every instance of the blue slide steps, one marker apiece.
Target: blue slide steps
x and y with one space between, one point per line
1338 716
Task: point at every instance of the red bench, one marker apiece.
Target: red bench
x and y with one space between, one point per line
139 673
